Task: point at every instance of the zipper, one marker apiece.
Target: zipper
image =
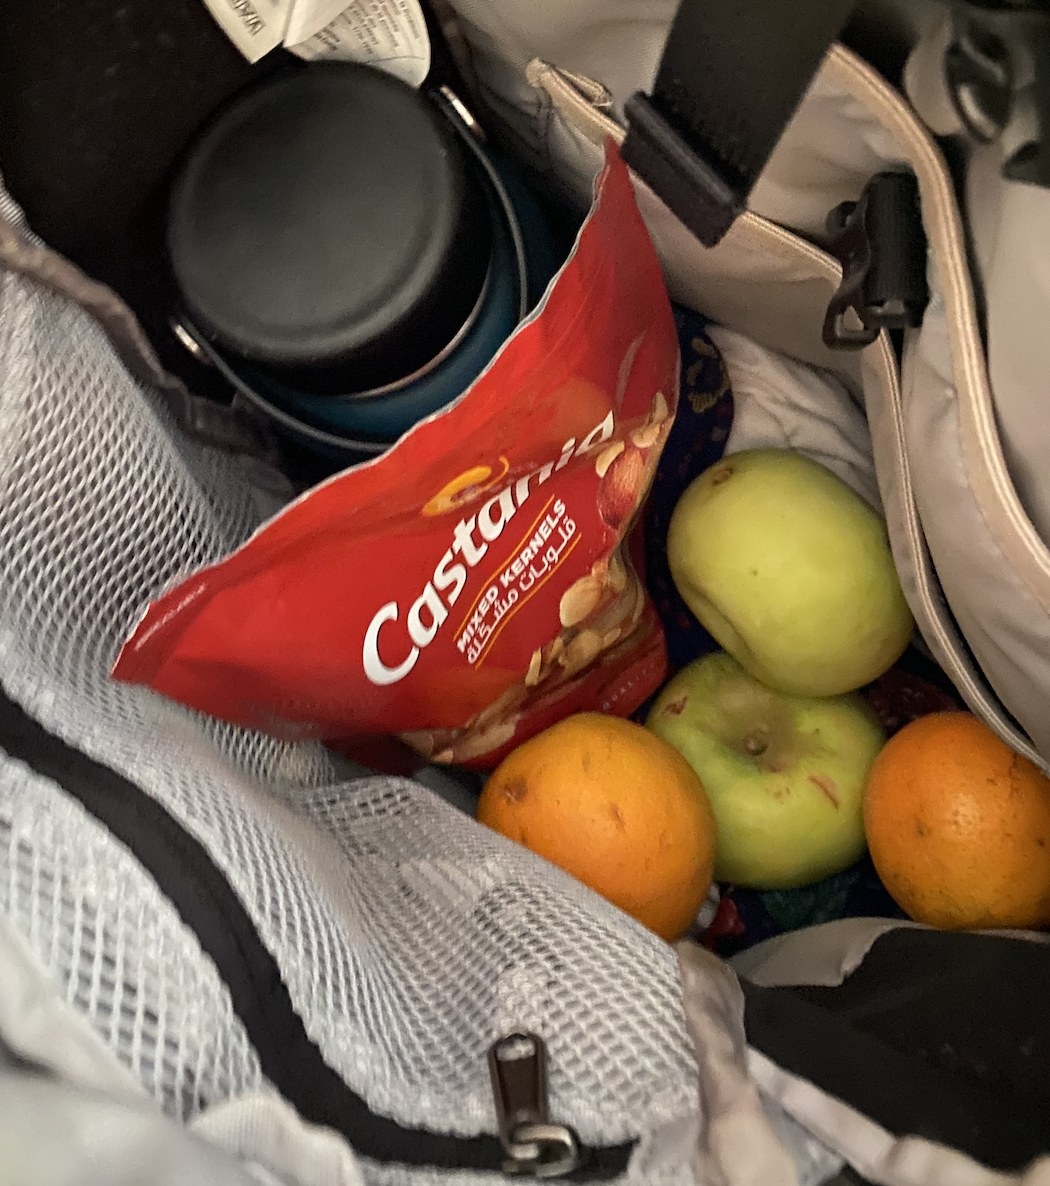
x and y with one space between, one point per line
518 1066
184 872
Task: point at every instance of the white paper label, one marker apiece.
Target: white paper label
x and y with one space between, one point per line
388 34
254 26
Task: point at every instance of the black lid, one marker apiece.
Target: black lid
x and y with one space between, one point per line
330 224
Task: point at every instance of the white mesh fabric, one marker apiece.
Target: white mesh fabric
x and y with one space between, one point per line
117 949
10 212
409 938
477 938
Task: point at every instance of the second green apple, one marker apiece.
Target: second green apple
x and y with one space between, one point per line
790 571
785 774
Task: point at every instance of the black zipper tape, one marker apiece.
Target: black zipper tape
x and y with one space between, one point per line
208 905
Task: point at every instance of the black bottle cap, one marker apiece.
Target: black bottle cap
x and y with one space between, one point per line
330 225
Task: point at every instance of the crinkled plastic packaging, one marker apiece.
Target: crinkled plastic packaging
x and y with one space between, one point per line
478 581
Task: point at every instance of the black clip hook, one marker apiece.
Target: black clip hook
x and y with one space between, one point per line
880 242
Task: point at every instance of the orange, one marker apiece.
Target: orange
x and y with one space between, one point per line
959 826
618 808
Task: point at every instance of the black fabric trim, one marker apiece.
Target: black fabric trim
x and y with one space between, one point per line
900 1084
208 905
976 1006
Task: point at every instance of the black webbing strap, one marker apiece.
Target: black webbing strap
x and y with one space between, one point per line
732 74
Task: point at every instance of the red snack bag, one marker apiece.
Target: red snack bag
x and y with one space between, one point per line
470 586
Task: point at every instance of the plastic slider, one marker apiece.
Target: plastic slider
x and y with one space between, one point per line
689 185
880 242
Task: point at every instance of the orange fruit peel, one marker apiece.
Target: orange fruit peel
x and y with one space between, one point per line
959 826
618 808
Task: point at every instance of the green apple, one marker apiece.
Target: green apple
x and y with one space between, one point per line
785 774
790 571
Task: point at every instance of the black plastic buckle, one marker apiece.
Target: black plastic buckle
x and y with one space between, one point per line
880 242
692 188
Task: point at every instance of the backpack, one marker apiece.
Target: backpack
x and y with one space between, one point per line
267 962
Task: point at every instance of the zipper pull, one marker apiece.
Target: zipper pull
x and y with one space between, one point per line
518 1065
